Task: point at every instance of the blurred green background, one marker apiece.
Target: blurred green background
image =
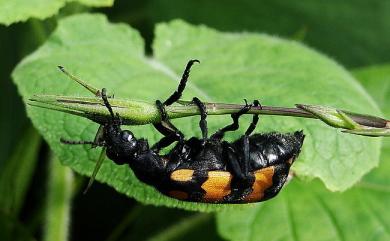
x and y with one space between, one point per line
355 33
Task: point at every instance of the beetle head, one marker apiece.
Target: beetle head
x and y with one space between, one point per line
122 146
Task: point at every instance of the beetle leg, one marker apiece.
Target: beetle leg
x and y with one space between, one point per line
255 119
165 127
164 142
203 116
245 164
233 162
234 126
242 181
241 184
106 103
177 94
115 118
246 151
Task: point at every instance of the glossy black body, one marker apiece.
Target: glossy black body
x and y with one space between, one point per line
270 149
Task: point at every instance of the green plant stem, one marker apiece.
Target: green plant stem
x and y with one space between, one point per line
138 113
135 112
14 180
127 220
177 230
39 30
141 112
58 202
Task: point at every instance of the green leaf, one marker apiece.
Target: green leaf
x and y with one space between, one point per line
376 80
306 211
20 10
234 66
355 32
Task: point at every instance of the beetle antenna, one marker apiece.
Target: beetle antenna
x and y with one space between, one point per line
70 142
96 170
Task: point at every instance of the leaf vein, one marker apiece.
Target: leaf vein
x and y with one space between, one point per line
290 220
332 218
375 214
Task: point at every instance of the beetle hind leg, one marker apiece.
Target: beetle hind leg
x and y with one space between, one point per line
255 119
234 126
242 182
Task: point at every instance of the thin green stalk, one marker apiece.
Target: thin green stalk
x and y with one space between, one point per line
139 112
126 221
15 180
180 228
58 202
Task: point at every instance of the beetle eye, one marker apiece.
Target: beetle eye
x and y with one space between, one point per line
127 136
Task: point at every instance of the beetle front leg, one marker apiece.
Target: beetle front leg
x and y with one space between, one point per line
203 116
165 127
177 94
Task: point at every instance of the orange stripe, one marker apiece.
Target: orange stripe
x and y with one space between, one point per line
182 175
217 186
263 180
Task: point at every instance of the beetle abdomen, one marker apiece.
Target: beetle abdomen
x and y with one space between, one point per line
217 185
271 148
